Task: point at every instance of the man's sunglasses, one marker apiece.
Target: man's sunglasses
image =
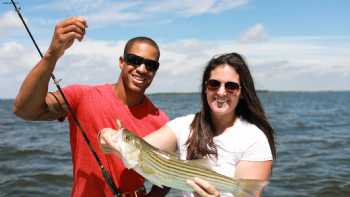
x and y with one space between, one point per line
230 86
136 61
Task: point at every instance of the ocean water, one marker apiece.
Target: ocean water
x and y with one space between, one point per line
313 145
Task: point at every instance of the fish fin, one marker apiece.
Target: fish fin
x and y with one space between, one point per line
172 155
200 162
147 169
164 154
167 155
156 182
150 174
249 187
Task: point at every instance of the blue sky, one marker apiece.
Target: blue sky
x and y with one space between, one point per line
289 45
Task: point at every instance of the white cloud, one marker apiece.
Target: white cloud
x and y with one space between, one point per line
277 64
193 7
256 33
227 4
91 61
15 61
82 6
8 23
14 57
105 12
110 15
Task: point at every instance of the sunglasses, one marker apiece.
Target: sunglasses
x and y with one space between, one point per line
230 86
136 61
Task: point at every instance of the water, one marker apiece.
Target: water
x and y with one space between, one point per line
313 135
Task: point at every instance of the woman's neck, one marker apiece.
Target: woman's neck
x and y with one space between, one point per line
222 122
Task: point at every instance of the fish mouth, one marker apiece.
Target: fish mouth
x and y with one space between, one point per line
128 151
117 139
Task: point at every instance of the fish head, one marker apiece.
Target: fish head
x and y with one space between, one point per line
129 146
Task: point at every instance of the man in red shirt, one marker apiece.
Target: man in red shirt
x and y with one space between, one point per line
96 107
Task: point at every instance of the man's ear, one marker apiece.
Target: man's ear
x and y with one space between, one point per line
121 62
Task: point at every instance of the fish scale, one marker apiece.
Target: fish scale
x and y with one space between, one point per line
183 170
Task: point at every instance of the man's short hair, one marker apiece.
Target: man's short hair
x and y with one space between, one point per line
143 39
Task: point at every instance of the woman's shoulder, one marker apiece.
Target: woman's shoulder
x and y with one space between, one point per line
249 129
185 118
254 142
181 121
181 126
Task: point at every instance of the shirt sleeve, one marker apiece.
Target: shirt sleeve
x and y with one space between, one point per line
259 149
181 127
73 94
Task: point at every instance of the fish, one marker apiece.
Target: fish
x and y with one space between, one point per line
165 169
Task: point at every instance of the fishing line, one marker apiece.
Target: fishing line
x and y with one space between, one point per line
105 174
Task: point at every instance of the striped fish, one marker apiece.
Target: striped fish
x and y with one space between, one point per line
165 169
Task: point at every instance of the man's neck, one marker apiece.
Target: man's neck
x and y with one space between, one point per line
126 96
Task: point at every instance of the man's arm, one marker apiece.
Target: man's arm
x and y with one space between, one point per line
33 101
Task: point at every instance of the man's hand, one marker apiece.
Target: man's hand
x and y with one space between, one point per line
65 33
105 139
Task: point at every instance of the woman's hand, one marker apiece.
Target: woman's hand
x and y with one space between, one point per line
105 139
203 188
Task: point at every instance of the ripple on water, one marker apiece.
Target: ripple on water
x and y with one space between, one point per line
312 133
40 184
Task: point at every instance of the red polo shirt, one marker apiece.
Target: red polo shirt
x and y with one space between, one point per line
97 107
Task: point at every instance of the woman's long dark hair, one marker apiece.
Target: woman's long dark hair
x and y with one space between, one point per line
200 142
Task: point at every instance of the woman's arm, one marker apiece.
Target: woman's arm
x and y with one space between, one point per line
259 170
163 138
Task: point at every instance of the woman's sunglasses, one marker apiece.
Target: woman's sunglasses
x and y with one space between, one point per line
230 86
136 61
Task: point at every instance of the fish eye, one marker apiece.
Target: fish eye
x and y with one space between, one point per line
127 138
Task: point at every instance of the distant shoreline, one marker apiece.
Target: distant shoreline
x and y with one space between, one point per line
259 91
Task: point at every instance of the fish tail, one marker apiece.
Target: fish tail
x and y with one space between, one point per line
249 188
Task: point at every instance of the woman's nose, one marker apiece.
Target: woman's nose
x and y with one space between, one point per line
221 91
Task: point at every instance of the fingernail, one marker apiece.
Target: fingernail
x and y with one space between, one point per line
80 18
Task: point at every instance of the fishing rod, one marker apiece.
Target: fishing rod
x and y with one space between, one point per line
105 173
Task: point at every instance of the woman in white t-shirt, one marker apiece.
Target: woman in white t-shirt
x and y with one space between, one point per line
231 129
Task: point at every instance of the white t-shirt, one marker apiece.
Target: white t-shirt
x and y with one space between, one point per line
242 141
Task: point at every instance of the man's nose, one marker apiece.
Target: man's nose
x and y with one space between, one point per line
142 68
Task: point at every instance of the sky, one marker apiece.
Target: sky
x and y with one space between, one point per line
289 45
